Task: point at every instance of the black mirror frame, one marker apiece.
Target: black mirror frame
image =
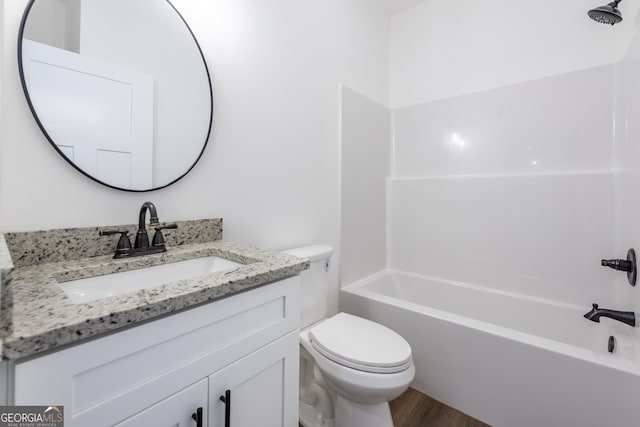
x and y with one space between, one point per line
53 144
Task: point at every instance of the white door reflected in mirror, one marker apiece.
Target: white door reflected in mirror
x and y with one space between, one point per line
120 88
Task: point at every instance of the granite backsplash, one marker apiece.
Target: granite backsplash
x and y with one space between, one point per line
67 244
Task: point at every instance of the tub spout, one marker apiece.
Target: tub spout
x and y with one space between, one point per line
628 317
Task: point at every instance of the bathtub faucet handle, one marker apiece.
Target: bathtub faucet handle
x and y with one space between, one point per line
629 265
617 264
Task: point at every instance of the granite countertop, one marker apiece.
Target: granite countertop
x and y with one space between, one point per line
44 318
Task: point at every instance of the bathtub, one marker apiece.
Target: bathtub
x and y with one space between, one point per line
507 359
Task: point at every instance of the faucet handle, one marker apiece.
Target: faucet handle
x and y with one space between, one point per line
158 238
617 264
629 266
124 244
167 227
102 232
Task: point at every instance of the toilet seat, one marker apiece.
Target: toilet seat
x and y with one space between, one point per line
361 344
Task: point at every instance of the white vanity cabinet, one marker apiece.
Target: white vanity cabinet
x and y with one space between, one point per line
159 373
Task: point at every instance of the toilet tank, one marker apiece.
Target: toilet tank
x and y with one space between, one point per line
314 291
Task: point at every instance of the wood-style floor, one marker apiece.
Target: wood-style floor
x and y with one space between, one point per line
414 409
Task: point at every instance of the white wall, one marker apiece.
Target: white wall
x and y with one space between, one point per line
444 48
271 169
3 44
396 6
364 167
44 29
3 391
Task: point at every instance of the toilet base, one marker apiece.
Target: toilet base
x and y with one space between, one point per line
348 414
354 414
310 417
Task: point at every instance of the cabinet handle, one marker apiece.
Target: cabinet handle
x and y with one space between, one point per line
226 399
197 417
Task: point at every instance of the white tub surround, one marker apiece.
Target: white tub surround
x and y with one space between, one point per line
510 188
557 124
365 163
506 359
539 235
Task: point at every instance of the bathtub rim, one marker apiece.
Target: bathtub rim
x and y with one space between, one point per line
358 288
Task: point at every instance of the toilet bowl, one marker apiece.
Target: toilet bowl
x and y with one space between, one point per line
350 367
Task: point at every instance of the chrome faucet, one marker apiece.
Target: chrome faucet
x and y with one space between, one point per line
628 317
141 247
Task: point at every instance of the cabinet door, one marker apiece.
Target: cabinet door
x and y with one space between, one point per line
263 387
174 411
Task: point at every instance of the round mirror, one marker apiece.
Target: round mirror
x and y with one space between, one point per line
120 88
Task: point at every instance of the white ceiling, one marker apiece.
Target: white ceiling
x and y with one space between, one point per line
395 6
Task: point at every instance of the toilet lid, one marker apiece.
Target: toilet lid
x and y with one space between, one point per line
361 344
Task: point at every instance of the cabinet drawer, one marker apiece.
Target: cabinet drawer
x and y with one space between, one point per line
108 379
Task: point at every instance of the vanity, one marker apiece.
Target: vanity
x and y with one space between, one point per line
215 348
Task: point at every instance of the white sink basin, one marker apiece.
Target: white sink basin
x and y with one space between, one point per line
94 288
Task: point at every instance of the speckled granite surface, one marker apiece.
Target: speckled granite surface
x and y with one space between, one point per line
6 298
40 247
44 318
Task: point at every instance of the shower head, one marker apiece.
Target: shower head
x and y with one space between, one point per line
609 14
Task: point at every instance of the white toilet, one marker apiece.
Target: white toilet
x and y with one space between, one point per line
350 367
